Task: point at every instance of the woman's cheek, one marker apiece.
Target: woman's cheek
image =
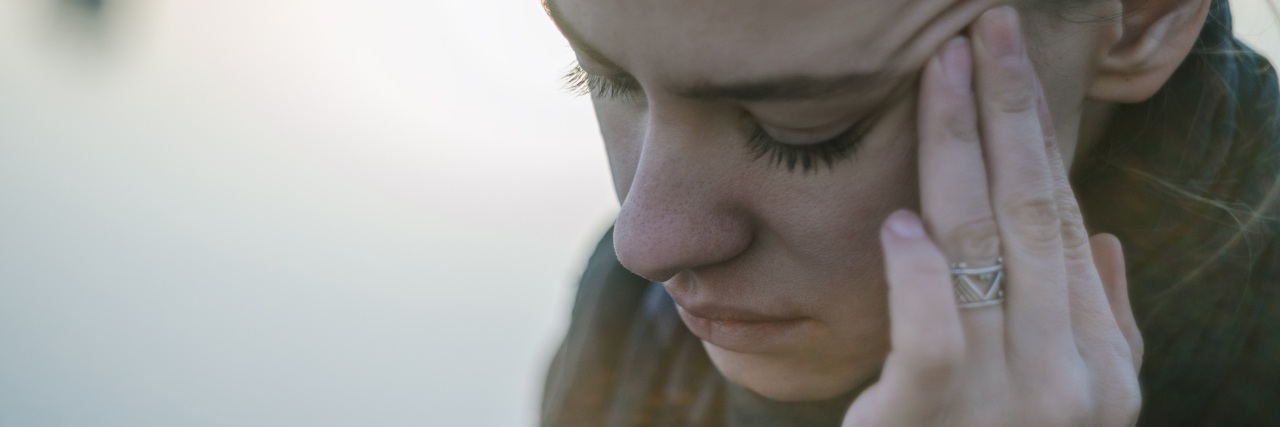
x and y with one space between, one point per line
881 178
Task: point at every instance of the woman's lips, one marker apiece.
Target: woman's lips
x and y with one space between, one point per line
742 331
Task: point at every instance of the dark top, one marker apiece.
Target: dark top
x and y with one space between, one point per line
1185 180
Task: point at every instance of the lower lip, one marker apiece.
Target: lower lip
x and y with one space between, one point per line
745 337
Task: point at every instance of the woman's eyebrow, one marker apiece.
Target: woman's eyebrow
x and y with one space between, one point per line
788 88
575 39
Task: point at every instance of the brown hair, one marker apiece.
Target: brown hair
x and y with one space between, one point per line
1187 181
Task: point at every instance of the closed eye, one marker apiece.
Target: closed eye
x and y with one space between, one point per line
809 157
579 81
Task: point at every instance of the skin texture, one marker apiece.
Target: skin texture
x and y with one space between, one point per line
724 228
1055 353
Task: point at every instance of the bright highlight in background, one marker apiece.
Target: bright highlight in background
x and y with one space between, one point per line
294 213
287 213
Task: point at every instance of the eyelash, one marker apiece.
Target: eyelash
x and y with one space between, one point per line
580 82
809 156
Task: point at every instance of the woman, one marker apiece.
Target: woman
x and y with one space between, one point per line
767 268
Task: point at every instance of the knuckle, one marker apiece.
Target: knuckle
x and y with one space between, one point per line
1034 220
1014 99
960 124
1131 405
976 240
1075 242
1070 210
1120 400
1074 235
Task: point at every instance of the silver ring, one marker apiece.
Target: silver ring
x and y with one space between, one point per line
978 287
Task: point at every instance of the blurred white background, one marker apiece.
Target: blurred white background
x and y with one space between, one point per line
294 212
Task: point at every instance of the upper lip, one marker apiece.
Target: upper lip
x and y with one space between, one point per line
727 313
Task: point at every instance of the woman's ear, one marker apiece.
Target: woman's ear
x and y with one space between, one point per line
1152 39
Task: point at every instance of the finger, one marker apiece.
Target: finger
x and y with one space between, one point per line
1092 317
1037 316
927 343
953 184
1108 256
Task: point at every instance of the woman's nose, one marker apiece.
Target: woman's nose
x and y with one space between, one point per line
682 210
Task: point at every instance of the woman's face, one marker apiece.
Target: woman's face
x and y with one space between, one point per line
756 147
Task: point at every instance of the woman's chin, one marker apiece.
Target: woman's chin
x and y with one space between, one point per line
791 378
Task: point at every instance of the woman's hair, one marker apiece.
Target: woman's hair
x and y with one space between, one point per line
1187 181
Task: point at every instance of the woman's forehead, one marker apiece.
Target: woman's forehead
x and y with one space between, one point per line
700 40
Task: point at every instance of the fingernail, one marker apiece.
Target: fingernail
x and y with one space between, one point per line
956 64
1000 32
905 224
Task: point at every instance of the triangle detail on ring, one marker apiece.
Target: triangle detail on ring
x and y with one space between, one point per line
970 290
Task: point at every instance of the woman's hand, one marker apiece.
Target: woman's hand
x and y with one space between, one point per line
1063 348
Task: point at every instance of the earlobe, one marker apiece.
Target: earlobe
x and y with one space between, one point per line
1146 45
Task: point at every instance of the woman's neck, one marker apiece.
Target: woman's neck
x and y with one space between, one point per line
1095 117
